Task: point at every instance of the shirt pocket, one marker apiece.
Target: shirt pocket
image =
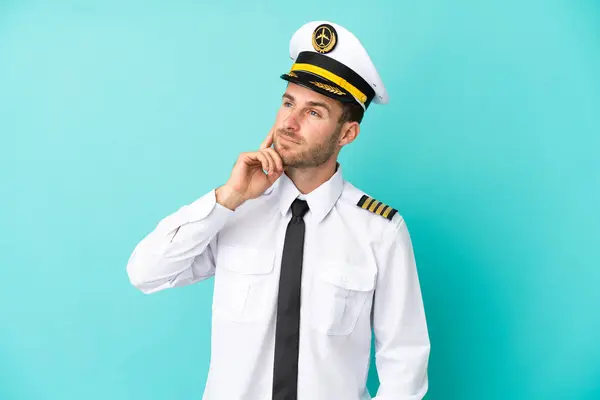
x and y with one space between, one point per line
244 284
338 296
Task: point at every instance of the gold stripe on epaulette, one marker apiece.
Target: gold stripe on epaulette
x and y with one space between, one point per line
376 207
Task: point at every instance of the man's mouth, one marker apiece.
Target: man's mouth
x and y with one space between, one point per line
288 139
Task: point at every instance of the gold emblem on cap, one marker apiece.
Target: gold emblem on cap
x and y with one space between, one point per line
324 38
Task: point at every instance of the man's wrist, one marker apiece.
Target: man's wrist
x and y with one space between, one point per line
228 198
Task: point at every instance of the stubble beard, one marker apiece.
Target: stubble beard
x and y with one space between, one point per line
308 158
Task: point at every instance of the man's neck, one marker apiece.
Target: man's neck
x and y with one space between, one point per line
308 179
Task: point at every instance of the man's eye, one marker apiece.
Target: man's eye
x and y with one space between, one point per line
314 113
287 104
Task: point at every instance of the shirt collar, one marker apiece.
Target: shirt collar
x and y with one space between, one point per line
320 201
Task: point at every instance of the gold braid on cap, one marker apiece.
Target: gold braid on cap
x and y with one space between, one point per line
329 88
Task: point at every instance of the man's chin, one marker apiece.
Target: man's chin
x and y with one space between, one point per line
284 152
291 162
289 157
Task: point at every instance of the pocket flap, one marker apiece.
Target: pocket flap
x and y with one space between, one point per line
348 276
245 260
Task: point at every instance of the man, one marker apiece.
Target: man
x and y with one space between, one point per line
306 265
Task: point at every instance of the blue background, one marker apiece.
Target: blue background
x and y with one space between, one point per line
115 113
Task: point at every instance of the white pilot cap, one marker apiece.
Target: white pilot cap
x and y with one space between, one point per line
329 59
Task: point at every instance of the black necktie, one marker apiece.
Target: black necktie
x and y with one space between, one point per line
287 330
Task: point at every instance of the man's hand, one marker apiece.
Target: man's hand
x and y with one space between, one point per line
247 180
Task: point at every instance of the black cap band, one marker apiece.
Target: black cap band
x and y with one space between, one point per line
340 70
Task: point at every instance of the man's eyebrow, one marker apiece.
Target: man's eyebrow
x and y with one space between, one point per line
319 104
310 103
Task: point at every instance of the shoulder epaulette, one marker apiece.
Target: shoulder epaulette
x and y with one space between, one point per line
377 207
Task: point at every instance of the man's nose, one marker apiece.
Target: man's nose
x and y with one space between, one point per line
292 121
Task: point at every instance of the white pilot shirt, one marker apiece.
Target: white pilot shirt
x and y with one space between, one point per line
358 276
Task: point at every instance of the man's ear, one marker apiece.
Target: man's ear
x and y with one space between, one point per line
349 132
